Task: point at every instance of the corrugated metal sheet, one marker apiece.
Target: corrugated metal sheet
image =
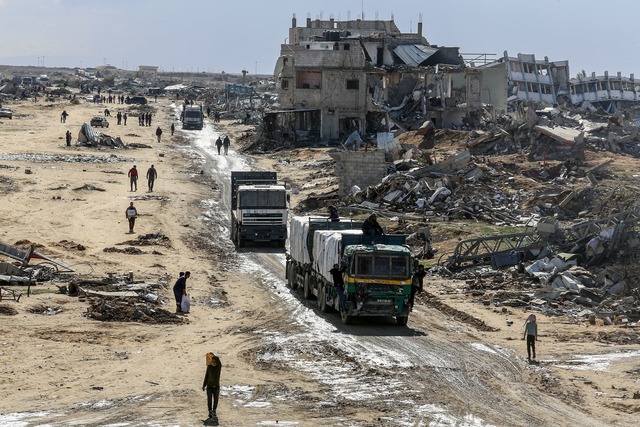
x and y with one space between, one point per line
414 54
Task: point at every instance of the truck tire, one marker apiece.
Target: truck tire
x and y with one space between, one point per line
322 299
306 290
402 320
292 280
346 319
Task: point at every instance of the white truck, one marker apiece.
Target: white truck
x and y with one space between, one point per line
377 270
192 117
259 208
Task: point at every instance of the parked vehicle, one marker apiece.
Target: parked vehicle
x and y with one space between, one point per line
136 100
377 270
6 113
192 117
259 208
101 122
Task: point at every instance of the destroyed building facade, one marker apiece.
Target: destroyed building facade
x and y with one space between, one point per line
336 77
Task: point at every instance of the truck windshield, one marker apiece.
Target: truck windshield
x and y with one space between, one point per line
262 200
192 114
382 266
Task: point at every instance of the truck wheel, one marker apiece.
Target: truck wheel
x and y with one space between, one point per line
292 280
322 299
402 320
346 319
307 287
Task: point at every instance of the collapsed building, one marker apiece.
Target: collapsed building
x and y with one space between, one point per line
337 77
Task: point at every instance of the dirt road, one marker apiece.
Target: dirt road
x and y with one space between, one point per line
284 362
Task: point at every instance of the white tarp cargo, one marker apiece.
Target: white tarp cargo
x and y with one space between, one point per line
298 232
327 247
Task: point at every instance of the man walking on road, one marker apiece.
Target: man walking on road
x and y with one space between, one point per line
152 174
531 334
133 178
226 144
219 144
159 133
131 214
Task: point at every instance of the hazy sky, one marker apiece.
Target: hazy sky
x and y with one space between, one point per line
214 35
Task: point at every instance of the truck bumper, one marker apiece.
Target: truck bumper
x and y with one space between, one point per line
262 233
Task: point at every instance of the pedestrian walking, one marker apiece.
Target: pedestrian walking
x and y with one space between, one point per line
119 117
159 133
212 383
531 334
63 116
68 138
124 118
173 128
131 214
219 144
226 144
180 289
133 178
152 174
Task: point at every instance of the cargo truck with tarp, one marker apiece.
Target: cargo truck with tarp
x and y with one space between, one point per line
377 270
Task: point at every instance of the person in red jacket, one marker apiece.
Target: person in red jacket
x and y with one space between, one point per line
133 178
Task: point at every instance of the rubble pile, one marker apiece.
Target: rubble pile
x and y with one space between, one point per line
119 310
149 239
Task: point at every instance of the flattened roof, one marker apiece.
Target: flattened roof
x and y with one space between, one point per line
414 54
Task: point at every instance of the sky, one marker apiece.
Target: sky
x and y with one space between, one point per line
231 36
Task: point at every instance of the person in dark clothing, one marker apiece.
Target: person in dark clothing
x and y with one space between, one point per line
68 138
226 144
338 283
63 116
334 215
159 133
212 383
152 174
131 214
219 144
119 117
124 118
370 226
173 128
417 284
180 289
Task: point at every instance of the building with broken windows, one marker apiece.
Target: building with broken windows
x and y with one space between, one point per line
549 82
336 77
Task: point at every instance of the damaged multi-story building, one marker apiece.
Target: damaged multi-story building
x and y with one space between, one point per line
550 82
336 77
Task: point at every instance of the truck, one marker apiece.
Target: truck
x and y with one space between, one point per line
259 208
377 270
192 117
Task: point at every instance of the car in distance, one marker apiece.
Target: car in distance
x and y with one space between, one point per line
6 112
136 100
99 122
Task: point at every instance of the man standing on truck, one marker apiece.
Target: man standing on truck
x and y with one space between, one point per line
338 282
371 227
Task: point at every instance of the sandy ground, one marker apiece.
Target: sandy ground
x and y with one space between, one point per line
69 369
